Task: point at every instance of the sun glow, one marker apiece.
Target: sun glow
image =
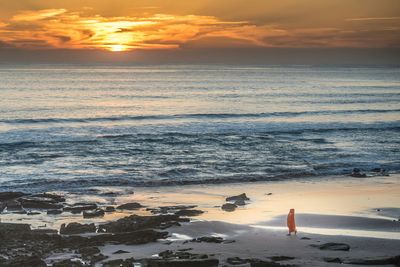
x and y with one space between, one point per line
118 48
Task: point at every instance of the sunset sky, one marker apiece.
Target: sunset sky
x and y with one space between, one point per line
176 27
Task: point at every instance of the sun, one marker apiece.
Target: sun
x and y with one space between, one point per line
118 48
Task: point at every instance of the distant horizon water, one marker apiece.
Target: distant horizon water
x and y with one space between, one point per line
68 127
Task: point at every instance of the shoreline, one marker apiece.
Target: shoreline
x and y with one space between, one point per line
361 212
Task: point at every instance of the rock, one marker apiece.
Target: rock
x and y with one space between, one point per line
208 239
55 197
240 202
39 203
13 229
109 209
333 260
135 222
88 251
378 261
44 231
238 197
189 213
2 206
254 262
229 207
79 207
281 258
357 173
13 205
305 238
333 246
93 213
128 238
182 258
68 263
77 228
120 252
236 261
130 206
54 212
10 195
120 263
183 263
28 261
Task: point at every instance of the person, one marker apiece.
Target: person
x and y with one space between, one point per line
291 223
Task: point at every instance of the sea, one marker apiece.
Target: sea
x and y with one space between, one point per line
71 127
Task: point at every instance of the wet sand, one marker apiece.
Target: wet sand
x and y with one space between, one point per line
363 213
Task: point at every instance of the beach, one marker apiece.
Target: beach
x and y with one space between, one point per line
361 214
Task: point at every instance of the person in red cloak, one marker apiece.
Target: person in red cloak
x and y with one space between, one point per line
291 223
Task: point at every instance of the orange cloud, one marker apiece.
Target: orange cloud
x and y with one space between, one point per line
60 28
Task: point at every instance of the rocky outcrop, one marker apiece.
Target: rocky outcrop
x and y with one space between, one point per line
135 222
238 197
77 228
229 207
333 246
130 206
10 195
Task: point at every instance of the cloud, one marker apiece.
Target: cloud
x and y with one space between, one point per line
63 29
373 19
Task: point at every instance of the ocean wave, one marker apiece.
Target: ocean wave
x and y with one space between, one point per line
194 116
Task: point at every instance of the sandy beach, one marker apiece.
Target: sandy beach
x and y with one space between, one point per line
360 215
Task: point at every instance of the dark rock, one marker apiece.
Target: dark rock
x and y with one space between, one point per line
135 222
97 258
120 252
357 173
2 206
119 263
55 197
238 197
93 213
79 207
228 207
208 239
333 246
378 261
44 231
255 262
109 209
281 258
333 260
240 202
183 263
189 213
236 261
77 228
13 205
305 238
130 206
54 212
10 195
68 263
182 258
88 251
27 261
261 263
129 238
39 203
13 229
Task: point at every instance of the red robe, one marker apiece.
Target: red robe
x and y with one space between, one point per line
291 224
